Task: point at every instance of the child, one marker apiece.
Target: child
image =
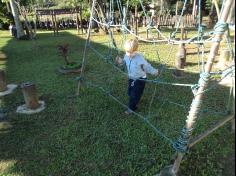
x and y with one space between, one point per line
137 68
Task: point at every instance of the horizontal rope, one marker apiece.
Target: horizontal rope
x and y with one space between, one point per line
158 131
147 80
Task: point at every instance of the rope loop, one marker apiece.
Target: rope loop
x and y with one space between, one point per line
220 27
204 78
202 29
79 78
181 145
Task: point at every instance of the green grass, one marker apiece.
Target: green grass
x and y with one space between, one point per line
90 135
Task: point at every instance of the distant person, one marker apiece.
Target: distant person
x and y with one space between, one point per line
13 31
10 29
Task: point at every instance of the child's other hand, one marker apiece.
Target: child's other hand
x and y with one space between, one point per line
119 60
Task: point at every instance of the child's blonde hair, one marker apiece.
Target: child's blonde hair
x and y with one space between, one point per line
131 45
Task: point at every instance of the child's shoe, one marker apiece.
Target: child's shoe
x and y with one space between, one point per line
128 112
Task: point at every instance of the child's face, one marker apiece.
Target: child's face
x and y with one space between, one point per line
130 54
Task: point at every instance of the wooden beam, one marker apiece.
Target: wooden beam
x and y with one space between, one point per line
211 130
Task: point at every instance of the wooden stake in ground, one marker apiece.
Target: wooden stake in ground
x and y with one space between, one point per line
30 95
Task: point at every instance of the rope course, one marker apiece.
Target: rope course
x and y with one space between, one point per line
180 144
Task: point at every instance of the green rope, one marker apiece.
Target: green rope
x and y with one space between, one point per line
221 27
181 145
204 78
158 131
147 80
180 20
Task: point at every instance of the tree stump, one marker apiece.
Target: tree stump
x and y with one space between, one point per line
3 83
30 95
180 61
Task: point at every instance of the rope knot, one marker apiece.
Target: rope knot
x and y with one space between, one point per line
79 78
204 78
202 29
181 145
220 27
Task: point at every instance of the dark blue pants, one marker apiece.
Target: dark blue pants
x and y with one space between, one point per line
135 92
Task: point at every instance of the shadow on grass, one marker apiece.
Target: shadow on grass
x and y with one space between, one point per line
90 135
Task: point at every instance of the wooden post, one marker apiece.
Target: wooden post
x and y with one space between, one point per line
86 47
3 82
231 103
196 103
30 95
180 61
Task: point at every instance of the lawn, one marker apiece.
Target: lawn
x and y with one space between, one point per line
90 135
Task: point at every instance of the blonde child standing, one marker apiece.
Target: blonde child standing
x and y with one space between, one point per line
137 68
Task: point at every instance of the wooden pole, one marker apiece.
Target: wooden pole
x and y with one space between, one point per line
196 102
86 47
231 103
217 8
194 8
231 17
176 8
162 7
210 131
136 20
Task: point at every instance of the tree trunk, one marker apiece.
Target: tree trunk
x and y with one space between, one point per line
19 28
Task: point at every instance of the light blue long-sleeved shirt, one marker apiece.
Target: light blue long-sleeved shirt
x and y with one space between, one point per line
138 67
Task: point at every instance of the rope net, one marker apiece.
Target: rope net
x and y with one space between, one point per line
165 103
